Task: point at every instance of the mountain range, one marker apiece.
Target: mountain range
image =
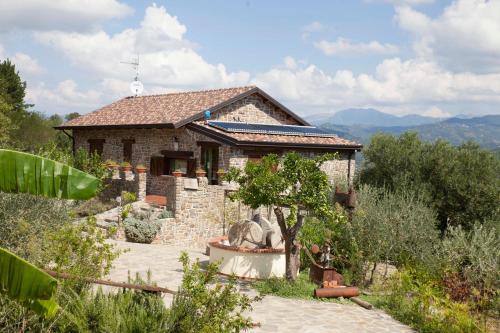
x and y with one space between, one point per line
361 124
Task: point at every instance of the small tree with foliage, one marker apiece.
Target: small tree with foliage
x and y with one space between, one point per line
293 182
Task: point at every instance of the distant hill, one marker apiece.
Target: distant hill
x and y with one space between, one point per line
483 130
369 117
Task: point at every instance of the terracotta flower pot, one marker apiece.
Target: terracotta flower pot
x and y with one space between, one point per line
177 174
140 169
127 168
221 173
201 173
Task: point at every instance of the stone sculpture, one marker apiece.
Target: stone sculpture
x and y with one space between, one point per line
255 233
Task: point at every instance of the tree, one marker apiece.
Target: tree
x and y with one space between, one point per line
461 183
292 182
26 173
12 88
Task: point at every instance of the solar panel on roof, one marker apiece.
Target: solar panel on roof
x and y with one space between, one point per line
237 127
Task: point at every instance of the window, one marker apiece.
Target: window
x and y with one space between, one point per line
127 149
179 164
96 146
210 160
173 160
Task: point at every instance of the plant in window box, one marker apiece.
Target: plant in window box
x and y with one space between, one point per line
126 166
200 172
141 168
177 173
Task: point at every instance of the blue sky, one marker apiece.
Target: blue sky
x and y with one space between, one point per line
436 58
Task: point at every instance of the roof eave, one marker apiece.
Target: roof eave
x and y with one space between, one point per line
237 143
76 127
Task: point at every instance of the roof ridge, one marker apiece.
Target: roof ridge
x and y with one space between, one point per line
194 91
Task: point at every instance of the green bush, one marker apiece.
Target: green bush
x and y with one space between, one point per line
200 306
461 183
387 227
26 221
417 299
140 230
475 256
165 214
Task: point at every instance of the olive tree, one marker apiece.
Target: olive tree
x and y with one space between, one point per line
292 182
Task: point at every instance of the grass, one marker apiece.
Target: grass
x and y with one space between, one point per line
302 288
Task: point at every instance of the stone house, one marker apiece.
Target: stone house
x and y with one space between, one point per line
212 129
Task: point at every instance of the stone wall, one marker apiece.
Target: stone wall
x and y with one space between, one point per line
254 109
198 210
124 181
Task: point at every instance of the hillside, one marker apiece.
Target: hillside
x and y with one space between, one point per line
483 130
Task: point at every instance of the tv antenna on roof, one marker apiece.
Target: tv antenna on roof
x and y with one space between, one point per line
136 86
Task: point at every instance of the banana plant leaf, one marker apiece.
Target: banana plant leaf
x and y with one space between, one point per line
27 173
27 284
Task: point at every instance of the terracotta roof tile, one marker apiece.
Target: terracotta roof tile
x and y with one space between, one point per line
157 109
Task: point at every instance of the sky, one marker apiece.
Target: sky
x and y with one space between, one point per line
433 58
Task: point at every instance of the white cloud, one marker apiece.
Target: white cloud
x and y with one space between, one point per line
436 112
397 86
166 58
65 97
58 14
345 46
310 28
25 64
465 37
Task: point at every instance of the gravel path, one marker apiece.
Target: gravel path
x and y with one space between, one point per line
275 314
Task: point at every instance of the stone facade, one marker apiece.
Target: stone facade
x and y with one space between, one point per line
201 211
253 109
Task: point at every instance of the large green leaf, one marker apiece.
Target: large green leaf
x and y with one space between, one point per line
26 173
27 284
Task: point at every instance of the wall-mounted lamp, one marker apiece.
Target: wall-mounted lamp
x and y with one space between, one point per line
176 143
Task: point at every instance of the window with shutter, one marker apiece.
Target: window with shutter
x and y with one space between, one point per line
96 146
127 149
156 165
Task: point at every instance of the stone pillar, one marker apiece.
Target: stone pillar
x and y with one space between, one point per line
115 173
141 186
129 175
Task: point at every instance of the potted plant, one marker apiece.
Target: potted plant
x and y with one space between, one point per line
177 173
110 164
221 173
200 172
141 168
126 166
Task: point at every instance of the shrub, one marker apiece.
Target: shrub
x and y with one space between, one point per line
389 227
201 307
141 230
461 183
94 206
26 220
416 299
165 214
80 250
475 258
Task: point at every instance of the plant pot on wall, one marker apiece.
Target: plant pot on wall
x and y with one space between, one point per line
177 173
140 168
126 166
221 173
200 173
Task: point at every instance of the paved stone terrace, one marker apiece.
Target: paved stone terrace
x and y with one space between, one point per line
275 314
